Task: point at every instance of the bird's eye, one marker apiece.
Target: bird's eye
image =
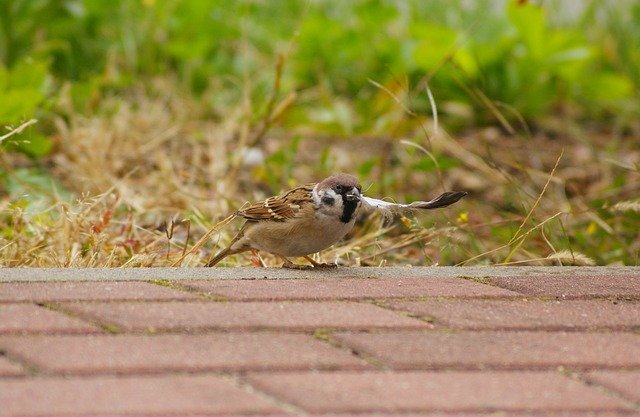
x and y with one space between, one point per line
339 188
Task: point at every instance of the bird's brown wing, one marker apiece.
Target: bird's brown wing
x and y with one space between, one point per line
280 208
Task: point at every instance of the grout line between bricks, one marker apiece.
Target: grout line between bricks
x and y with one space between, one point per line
47 374
29 369
114 329
207 296
106 327
110 329
241 382
188 289
325 335
431 320
578 375
167 371
381 303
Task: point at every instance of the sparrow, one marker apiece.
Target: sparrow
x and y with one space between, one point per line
310 218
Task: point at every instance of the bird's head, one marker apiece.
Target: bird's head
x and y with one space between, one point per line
339 196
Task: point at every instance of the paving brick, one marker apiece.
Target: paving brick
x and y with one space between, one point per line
527 314
30 318
182 394
74 291
345 288
9 368
177 352
250 315
485 414
626 383
496 350
573 286
456 391
225 414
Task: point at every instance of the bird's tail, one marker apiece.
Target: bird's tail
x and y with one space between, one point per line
388 208
220 256
443 200
232 249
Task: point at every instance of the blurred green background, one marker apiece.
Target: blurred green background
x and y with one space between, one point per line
522 67
582 54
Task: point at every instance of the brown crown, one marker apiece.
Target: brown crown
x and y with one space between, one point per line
346 180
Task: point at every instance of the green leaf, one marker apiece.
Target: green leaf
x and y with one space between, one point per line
34 188
22 89
28 74
32 144
4 78
436 44
607 87
529 20
19 104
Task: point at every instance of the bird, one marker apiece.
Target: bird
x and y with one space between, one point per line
310 218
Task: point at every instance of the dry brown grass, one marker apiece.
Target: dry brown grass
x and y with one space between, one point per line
151 173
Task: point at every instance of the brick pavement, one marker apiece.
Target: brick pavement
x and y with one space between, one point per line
337 343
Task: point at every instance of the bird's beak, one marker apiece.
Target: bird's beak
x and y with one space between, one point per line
353 195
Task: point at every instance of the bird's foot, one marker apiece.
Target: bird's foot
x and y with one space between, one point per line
256 260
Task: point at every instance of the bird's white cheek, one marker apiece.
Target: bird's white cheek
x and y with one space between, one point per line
329 204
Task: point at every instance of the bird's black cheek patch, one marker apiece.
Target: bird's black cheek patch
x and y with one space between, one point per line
348 210
328 200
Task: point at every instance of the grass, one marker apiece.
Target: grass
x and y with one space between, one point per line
142 161
135 165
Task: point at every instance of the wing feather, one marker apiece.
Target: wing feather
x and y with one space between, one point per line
280 208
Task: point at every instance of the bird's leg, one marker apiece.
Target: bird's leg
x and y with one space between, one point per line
256 260
290 265
319 265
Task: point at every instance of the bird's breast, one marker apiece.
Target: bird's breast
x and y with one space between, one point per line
298 237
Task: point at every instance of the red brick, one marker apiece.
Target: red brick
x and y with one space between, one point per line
487 414
76 291
30 318
572 286
185 395
142 353
527 314
455 391
345 288
496 350
626 383
251 315
8 368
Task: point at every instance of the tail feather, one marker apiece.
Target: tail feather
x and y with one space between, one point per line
232 249
220 256
443 200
